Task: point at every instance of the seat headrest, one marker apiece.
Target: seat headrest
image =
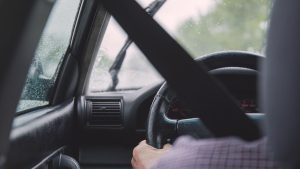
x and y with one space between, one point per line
281 82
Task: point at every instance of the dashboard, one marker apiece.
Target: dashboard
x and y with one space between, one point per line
118 119
178 110
127 111
241 83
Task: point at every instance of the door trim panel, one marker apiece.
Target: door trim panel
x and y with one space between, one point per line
36 139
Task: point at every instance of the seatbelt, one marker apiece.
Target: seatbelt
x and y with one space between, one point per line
201 92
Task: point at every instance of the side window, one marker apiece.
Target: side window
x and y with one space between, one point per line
49 55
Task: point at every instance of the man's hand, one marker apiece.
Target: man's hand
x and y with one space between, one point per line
145 156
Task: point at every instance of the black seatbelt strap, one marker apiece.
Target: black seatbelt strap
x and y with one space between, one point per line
201 92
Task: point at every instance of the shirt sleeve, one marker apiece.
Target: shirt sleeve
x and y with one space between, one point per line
225 153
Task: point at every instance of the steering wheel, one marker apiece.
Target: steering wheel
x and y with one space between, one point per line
161 129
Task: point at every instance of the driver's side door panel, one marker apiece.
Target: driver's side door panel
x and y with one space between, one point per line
32 140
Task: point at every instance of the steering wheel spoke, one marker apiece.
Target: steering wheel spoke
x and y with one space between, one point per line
193 127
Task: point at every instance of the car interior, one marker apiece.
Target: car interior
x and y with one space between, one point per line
82 82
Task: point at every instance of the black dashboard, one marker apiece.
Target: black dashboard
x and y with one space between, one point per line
118 119
241 83
127 111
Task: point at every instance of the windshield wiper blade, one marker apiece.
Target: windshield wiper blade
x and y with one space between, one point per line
115 67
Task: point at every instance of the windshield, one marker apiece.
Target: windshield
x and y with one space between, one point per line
200 26
206 26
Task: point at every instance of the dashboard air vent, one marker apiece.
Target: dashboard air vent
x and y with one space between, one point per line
104 112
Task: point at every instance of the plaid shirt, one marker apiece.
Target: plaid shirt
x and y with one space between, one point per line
227 153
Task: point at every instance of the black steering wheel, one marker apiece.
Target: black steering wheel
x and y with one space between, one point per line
161 129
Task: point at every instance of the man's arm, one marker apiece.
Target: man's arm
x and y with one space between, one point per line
215 153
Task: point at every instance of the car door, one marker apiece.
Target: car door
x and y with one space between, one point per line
44 124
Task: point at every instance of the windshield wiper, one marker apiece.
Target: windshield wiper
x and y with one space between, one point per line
115 67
